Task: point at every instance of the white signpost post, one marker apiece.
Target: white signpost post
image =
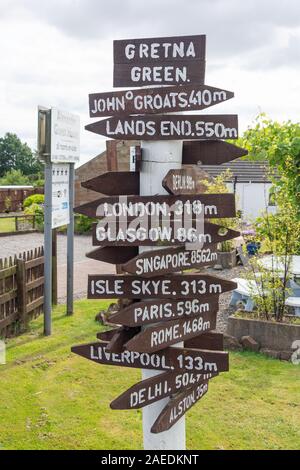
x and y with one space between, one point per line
59 146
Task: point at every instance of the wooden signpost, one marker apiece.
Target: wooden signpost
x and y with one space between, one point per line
170 359
163 234
166 320
168 127
178 406
159 61
208 205
156 100
165 334
158 262
153 311
155 388
178 286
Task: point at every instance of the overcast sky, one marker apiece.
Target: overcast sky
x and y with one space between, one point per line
56 52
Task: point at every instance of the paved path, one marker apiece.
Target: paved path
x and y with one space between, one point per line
83 266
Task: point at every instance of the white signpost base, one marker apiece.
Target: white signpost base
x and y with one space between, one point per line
158 158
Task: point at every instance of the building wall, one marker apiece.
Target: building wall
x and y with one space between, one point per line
252 199
96 166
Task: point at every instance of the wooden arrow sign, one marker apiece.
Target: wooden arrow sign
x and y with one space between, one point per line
159 61
175 233
168 260
212 341
162 335
145 313
178 406
210 152
156 100
155 388
113 254
209 205
120 338
168 127
115 183
170 359
184 181
111 286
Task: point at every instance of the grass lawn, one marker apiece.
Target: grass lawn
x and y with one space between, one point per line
53 399
7 225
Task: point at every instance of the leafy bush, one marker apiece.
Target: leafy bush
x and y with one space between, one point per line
83 224
34 199
15 177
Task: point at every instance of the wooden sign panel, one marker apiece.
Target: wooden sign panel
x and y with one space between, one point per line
183 181
159 61
115 183
111 286
173 234
145 313
169 260
162 335
210 152
156 100
168 127
113 254
170 359
178 406
212 341
163 206
155 388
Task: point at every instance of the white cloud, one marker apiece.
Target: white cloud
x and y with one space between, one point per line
56 53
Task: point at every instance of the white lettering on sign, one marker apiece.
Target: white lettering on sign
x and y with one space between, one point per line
166 311
183 182
170 128
159 74
164 50
187 402
169 333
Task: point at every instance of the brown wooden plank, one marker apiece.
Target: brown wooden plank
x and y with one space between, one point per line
9 320
156 100
112 286
164 334
167 234
7 272
155 388
32 263
145 313
170 359
168 127
152 50
115 183
35 283
183 181
34 304
212 340
178 406
168 260
119 338
210 152
209 205
113 254
7 296
111 155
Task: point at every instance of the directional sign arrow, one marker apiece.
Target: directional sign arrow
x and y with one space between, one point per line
209 205
112 286
170 359
155 388
156 100
168 260
178 406
115 183
210 152
212 341
162 335
113 254
144 313
184 181
168 127
175 233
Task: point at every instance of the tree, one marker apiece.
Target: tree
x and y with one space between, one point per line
16 155
14 177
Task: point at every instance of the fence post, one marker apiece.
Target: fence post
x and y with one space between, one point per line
16 223
22 294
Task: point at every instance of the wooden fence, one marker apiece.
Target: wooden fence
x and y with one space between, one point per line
21 291
12 199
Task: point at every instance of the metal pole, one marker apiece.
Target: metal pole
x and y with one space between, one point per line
157 159
70 244
48 248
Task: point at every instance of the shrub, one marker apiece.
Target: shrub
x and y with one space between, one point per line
34 199
83 224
